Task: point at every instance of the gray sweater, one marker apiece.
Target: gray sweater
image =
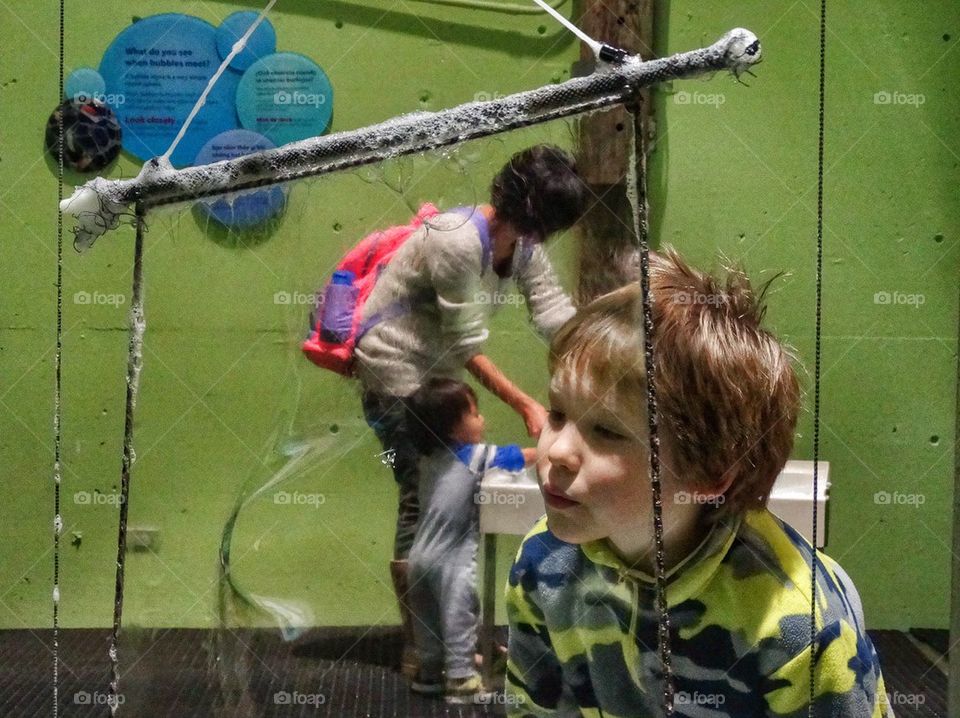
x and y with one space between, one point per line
438 273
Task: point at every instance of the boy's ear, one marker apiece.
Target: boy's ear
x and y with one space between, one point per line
716 490
725 483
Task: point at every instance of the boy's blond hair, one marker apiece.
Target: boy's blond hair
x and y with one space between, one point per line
727 394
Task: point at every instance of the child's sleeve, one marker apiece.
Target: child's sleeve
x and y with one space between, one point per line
534 681
846 675
508 458
549 306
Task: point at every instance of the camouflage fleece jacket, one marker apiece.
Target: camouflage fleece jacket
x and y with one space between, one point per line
583 631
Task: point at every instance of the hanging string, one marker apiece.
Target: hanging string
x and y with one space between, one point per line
816 372
134 364
641 228
601 51
235 50
590 42
57 390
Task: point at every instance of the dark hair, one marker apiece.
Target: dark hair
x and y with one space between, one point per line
539 191
436 409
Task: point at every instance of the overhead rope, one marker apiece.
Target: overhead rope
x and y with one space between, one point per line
134 365
642 231
817 351
58 387
99 204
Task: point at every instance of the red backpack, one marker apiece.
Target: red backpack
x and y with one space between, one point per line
335 325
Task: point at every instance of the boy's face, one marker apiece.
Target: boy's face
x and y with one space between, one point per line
593 468
469 430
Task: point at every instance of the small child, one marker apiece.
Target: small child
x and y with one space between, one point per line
443 559
581 598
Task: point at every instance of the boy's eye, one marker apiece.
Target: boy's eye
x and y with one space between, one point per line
605 433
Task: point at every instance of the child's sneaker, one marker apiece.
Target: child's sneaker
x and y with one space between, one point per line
427 685
465 690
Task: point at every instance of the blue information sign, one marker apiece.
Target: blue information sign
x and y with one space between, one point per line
247 210
156 69
286 97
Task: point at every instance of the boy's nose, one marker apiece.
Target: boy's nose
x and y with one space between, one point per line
562 450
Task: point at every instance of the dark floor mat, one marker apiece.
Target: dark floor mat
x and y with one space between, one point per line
339 672
187 673
937 638
915 687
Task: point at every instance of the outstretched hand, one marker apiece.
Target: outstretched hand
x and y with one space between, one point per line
534 416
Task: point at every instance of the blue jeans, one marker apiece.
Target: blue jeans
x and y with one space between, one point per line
388 417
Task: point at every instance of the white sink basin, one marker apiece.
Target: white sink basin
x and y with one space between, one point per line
510 503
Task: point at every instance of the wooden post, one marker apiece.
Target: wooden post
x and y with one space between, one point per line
607 256
488 639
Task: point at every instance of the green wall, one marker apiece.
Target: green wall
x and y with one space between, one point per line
227 399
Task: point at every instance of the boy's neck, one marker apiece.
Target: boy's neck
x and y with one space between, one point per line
683 532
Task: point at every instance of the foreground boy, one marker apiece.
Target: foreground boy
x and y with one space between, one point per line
581 598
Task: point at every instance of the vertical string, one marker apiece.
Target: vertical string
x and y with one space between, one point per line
234 51
817 352
641 228
134 363
57 389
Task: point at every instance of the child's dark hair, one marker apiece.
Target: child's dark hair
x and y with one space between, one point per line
539 191
436 409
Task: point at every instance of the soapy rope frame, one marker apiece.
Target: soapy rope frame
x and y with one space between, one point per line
160 185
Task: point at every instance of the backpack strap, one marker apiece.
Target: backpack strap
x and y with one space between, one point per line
391 311
480 223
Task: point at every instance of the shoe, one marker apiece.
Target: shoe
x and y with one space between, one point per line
428 685
470 689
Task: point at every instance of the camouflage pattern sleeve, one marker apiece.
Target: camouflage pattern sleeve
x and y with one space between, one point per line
844 684
534 682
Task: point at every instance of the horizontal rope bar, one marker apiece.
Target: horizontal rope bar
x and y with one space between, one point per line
99 204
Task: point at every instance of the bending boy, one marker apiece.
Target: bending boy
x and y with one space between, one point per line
444 276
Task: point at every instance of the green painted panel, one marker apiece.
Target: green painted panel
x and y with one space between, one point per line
227 400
